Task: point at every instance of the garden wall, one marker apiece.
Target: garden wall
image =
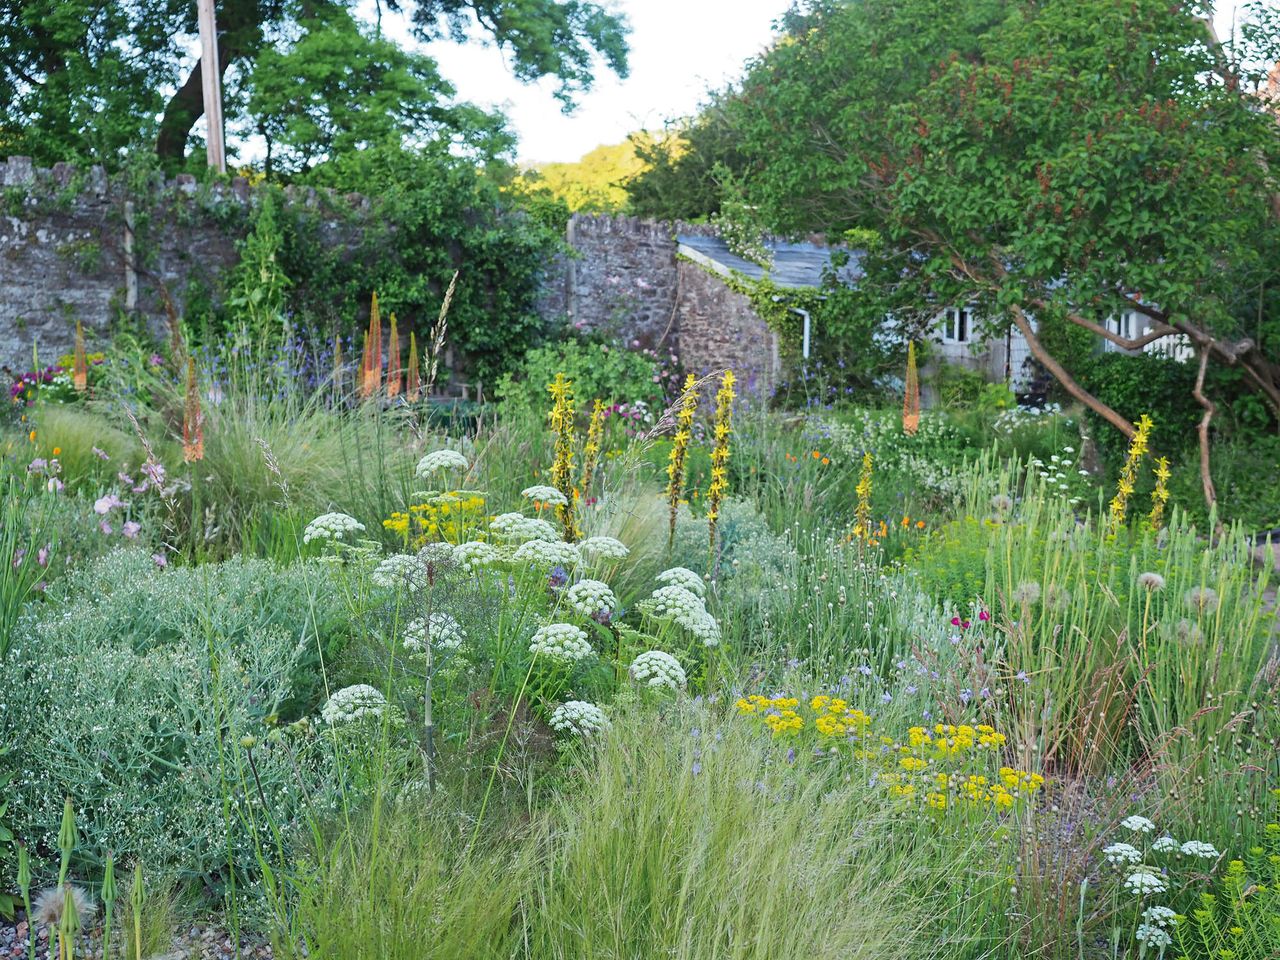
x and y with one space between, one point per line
75 245
625 280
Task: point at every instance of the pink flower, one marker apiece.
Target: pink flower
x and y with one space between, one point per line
160 560
955 621
42 555
18 556
105 527
54 485
105 504
130 529
983 615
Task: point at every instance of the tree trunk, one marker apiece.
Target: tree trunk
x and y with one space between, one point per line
1068 382
1206 478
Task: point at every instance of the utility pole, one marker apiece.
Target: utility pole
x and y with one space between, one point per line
211 82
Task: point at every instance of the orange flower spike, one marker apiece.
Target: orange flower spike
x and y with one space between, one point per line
192 418
80 369
393 361
366 385
375 346
911 395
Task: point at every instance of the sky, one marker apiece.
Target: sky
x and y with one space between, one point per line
679 50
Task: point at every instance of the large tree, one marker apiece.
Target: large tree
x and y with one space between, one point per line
83 79
1056 162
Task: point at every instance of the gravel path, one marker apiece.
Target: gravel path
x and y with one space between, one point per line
194 942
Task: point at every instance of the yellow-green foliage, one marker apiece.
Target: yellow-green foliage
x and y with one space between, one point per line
592 184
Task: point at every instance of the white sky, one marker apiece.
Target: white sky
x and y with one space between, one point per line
679 50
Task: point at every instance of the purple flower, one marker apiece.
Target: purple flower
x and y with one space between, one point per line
18 556
886 697
105 527
864 670
984 693
559 577
38 465
130 529
160 560
42 555
966 695
1022 675
697 768
101 454
105 504
791 755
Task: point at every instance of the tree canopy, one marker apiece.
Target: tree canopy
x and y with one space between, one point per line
84 80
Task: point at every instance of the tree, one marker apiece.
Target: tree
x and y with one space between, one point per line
1054 162
85 80
593 184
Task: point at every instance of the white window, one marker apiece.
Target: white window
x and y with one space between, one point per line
957 325
1125 325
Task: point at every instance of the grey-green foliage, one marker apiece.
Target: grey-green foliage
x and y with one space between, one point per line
131 693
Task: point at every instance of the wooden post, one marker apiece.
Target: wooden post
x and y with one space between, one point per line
211 82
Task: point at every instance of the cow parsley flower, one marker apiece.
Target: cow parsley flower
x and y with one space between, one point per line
579 719
353 703
516 526
548 553
1122 854
561 641
606 547
1165 845
1152 936
440 630
473 555
399 570
1142 883
589 597
331 526
683 577
1137 824
1198 848
1159 916
658 669
686 609
440 460
542 493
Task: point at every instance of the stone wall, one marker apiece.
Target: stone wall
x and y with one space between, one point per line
625 280
75 245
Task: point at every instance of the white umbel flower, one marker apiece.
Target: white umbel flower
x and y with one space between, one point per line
589 597
438 460
605 547
1150 935
440 630
561 641
1137 824
1165 845
579 719
541 493
1198 848
686 609
683 577
353 703
656 668
474 555
548 553
399 570
331 526
1122 854
516 526
1143 883
1159 916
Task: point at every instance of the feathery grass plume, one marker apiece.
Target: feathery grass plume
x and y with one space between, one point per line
677 460
591 449
80 369
192 418
393 359
561 422
911 396
437 335
1160 495
1138 447
412 378
719 458
862 514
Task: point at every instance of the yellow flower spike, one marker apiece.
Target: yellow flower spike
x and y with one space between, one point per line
591 449
719 459
678 458
562 426
862 515
1138 447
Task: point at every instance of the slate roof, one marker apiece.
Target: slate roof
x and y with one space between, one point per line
795 265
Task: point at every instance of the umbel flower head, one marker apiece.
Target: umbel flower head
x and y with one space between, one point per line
1144 883
354 703
516 526
438 460
578 718
331 526
684 578
655 668
606 548
439 630
547 554
541 493
1137 824
474 555
561 641
400 570
684 608
589 597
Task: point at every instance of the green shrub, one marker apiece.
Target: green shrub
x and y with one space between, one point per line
131 692
613 374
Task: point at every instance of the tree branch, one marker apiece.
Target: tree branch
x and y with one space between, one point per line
1158 332
1206 478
